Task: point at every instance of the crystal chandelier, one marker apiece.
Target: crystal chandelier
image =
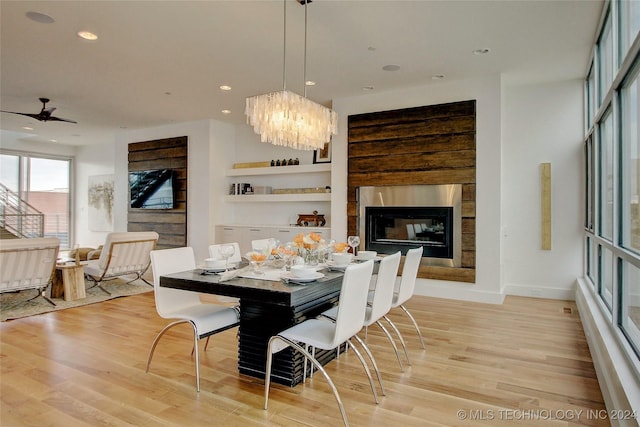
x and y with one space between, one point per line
288 119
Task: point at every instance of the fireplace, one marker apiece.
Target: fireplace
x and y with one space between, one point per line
401 217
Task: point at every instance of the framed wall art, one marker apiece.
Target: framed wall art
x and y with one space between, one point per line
323 155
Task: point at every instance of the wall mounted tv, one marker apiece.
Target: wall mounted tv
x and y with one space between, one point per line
152 189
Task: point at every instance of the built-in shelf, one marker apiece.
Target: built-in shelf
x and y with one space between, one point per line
280 170
299 197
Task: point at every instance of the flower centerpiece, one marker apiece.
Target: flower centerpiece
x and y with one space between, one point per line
256 259
308 246
340 247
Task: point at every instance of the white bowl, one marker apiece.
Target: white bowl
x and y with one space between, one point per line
366 255
302 271
214 263
342 258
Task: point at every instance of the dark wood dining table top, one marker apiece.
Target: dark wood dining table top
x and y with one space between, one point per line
275 292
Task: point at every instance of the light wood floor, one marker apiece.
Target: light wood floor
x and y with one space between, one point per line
526 360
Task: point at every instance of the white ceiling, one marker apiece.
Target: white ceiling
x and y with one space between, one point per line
160 62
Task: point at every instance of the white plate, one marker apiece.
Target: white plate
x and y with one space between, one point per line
376 258
340 267
212 270
291 277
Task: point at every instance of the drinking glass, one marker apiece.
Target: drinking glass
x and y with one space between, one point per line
354 242
226 252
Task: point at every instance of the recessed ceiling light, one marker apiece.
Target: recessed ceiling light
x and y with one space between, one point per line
226 111
367 88
481 51
53 140
391 67
40 17
225 88
27 128
310 83
437 77
87 35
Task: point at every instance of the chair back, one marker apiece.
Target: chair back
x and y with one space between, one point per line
167 261
409 275
27 263
127 252
353 301
214 252
263 244
385 286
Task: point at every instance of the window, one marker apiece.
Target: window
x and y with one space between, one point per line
630 162
605 187
40 183
629 23
612 171
630 314
605 54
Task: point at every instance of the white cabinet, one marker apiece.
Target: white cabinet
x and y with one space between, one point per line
244 234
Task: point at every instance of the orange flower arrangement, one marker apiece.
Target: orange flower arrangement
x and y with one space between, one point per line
256 256
340 247
308 245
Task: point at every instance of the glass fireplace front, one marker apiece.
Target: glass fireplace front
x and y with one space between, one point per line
400 228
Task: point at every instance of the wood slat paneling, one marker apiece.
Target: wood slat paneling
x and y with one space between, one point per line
170 224
428 145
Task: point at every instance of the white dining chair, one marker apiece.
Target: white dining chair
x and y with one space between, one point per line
185 306
378 305
325 334
406 286
263 245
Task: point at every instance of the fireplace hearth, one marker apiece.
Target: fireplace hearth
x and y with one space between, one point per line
401 217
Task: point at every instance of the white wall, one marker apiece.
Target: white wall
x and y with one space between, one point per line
210 151
543 123
90 160
487 93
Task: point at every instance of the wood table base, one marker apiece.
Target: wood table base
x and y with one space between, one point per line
68 282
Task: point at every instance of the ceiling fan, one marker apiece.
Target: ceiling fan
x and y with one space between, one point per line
44 115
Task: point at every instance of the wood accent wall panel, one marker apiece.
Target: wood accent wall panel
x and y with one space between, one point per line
434 144
170 224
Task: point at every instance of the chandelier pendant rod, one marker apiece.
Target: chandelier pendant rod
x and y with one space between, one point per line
304 72
284 50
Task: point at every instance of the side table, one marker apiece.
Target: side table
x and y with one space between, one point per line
68 282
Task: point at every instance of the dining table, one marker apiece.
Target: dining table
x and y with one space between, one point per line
268 305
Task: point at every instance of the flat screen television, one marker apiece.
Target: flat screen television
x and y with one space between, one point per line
152 189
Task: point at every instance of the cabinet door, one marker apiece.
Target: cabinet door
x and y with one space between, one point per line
226 234
285 234
256 233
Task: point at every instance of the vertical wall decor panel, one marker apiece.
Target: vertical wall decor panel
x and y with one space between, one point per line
170 224
434 144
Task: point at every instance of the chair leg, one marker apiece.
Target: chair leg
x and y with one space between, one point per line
41 293
415 324
157 339
267 378
373 362
367 371
197 353
206 343
393 343
395 329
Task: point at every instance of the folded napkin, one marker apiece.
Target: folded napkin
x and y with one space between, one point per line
228 275
272 274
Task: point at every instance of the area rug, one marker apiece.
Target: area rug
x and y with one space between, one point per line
14 305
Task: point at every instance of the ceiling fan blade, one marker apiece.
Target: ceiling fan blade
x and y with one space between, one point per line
59 119
33 116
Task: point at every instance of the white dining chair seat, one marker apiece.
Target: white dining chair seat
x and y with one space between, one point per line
206 317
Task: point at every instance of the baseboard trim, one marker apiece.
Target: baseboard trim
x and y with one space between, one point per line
540 292
617 373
